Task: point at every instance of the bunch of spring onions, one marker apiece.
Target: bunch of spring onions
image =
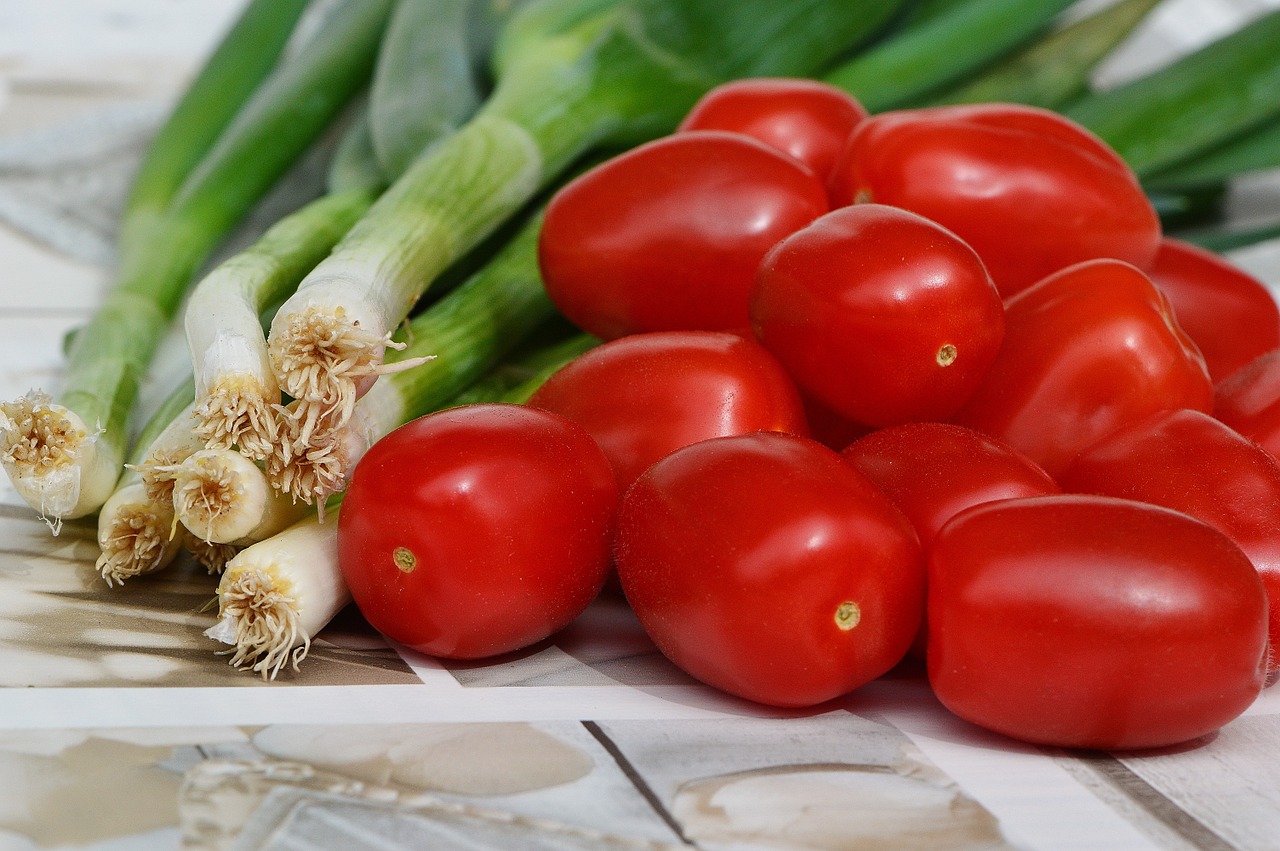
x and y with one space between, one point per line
412 282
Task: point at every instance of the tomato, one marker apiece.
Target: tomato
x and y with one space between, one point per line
1230 315
808 119
1086 351
1093 622
668 235
645 395
1030 190
1249 401
764 565
477 530
1191 462
933 471
880 314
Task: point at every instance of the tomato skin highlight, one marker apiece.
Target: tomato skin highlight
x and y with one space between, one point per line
1086 351
1231 316
806 119
877 339
668 235
477 530
1193 463
644 396
743 556
1031 191
1093 622
1249 401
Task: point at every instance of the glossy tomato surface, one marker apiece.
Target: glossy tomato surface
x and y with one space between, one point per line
766 566
878 313
1086 351
1191 462
1249 401
668 235
807 119
645 395
477 530
1230 314
1031 191
1093 622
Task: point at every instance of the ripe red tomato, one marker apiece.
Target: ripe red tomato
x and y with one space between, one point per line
1193 463
933 471
1086 351
1249 401
880 314
1030 190
1229 314
765 566
668 235
477 530
1093 622
808 119
645 395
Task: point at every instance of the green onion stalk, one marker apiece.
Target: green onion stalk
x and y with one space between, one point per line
233 133
570 76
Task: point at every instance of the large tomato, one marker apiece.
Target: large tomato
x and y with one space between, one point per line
881 315
766 566
1093 622
1086 351
808 119
1191 462
645 395
1030 190
668 235
477 530
1229 314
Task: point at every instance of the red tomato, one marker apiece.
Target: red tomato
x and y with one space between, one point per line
668 235
1030 190
1086 351
1093 622
808 119
1229 314
765 566
1249 401
933 471
880 314
645 395
477 530
1193 463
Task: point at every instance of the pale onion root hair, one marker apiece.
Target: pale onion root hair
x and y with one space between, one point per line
267 624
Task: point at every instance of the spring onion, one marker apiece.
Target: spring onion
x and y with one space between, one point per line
65 455
950 45
625 72
221 497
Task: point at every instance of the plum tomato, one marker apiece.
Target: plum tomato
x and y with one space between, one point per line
668 235
1193 463
882 315
1230 315
808 119
645 395
764 565
1086 351
478 530
1093 622
1030 190
1249 401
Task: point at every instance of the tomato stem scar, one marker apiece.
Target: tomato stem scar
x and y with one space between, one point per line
404 559
847 615
946 355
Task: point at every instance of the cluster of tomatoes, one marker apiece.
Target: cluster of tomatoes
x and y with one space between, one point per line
873 387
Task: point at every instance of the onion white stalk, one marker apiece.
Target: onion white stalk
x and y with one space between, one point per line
276 595
221 497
